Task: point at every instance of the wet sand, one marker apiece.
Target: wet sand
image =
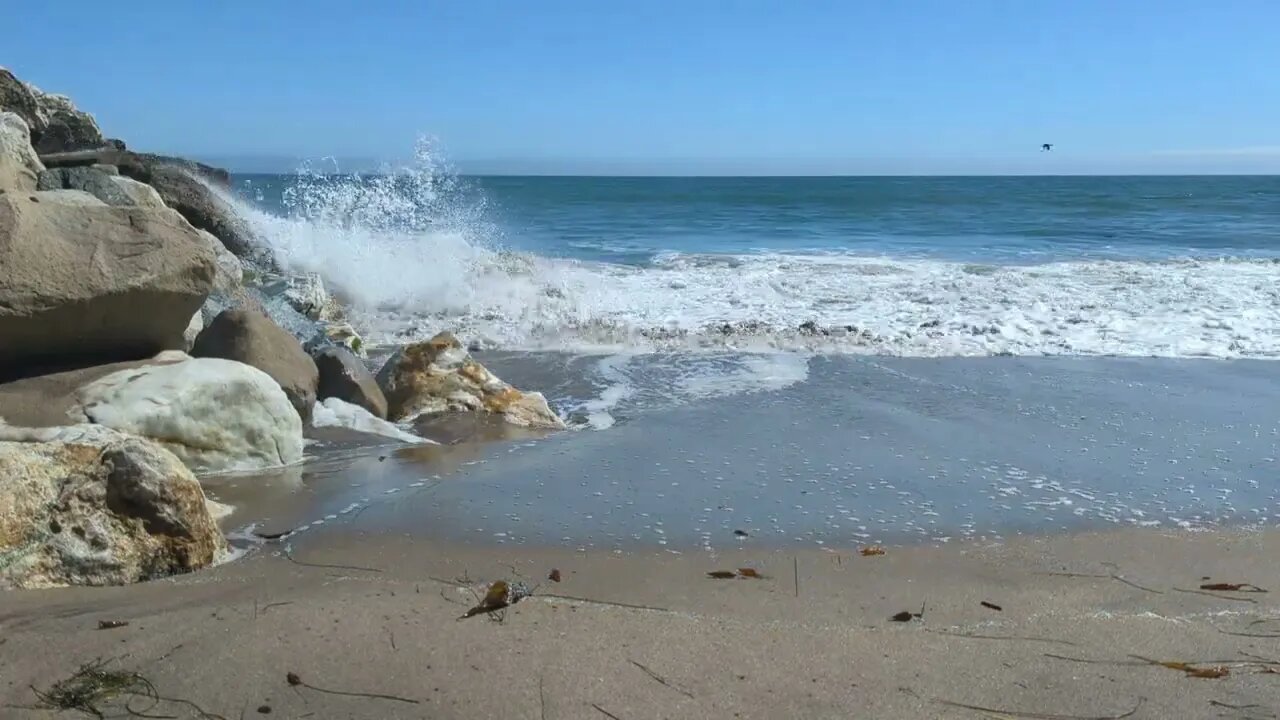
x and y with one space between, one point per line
859 450
648 634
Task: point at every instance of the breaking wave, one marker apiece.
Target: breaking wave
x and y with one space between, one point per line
413 252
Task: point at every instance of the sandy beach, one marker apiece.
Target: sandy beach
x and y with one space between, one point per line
1082 620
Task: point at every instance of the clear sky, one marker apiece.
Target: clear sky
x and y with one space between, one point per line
677 86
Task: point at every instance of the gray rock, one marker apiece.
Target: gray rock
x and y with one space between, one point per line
345 377
190 188
108 169
51 180
253 339
90 179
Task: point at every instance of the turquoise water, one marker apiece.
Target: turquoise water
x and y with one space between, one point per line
1003 219
1129 266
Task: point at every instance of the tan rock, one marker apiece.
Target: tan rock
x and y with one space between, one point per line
103 509
20 167
438 375
253 339
85 282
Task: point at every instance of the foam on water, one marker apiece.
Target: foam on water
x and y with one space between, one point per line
413 253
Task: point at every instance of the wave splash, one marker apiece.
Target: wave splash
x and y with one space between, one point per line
413 252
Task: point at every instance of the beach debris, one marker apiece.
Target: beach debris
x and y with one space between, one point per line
750 573
264 709
91 685
1211 672
991 606
1232 587
1037 715
908 616
722 574
604 712
273 535
1216 595
554 576
661 680
296 680
500 596
112 624
496 598
871 551
740 533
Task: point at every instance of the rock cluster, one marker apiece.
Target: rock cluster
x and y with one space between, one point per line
114 265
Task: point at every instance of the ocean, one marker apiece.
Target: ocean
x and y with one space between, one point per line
823 360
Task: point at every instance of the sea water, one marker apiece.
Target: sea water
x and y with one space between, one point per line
827 360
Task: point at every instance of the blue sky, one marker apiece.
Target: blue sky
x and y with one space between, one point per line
679 86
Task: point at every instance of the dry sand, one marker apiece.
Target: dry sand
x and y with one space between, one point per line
812 640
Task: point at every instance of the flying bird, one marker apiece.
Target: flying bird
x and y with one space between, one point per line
1046 147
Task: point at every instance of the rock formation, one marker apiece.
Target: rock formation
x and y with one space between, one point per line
99 509
345 377
438 376
214 414
84 281
253 339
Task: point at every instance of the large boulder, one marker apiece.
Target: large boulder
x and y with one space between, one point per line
20 169
345 377
191 188
83 281
230 272
65 128
438 376
253 339
16 97
100 508
214 414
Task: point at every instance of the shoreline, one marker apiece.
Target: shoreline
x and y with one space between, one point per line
855 451
791 644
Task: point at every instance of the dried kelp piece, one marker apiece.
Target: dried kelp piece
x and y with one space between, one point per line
90 686
498 597
1232 587
750 573
991 606
295 680
554 576
722 574
112 624
1036 715
1211 672
908 616
871 550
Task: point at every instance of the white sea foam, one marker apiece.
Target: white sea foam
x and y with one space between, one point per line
411 252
